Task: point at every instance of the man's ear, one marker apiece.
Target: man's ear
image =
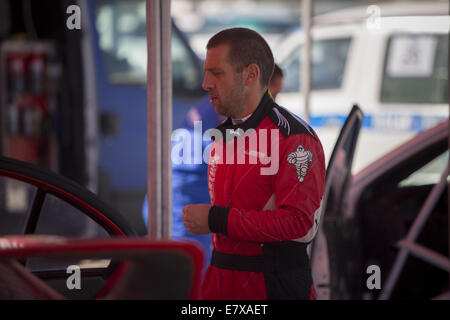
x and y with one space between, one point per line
251 74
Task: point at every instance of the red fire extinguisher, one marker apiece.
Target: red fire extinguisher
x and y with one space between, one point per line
16 61
36 71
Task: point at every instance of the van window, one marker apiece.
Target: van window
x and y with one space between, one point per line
185 73
328 65
122 41
121 27
416 69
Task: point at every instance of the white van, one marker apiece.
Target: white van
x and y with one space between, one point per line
394 67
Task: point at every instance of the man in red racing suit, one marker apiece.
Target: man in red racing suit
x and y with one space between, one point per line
266 179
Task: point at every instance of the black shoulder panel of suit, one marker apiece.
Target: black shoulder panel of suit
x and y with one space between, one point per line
288 122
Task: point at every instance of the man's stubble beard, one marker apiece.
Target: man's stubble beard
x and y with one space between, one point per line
233 106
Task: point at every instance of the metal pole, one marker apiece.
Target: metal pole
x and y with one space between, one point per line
153 115
166 81
159 118
413 233
423 253
90 104
305 65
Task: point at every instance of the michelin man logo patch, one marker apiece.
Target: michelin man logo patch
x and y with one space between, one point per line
300 159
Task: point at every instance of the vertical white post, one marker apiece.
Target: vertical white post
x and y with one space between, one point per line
166 80
159 118
91 136
305 55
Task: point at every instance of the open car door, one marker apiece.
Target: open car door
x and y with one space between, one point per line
327 257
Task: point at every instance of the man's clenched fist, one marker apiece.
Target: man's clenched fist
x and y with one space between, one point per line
195 218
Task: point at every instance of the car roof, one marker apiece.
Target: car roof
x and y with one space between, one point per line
387 25
361 13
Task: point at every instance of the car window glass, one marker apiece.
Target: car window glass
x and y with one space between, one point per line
429 174
60 218
16 198
416 69
63 264
328 65
184 71
340 165
121 26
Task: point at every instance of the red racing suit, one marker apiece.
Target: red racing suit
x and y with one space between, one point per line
266 179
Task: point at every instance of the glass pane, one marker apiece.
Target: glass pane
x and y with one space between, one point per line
16 199
184 72
328 65
64 264
121 29
62 219
428 174
416 69
291 72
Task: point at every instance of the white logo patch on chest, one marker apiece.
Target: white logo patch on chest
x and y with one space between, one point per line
300 159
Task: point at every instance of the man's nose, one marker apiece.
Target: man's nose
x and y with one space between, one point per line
207 84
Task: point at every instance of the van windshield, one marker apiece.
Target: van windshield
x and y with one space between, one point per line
416 69
121 27
122 41
328 64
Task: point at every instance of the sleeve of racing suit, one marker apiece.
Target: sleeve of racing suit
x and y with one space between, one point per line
218 219
298 187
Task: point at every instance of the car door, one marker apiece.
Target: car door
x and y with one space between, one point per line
326 255
399 207
36 201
